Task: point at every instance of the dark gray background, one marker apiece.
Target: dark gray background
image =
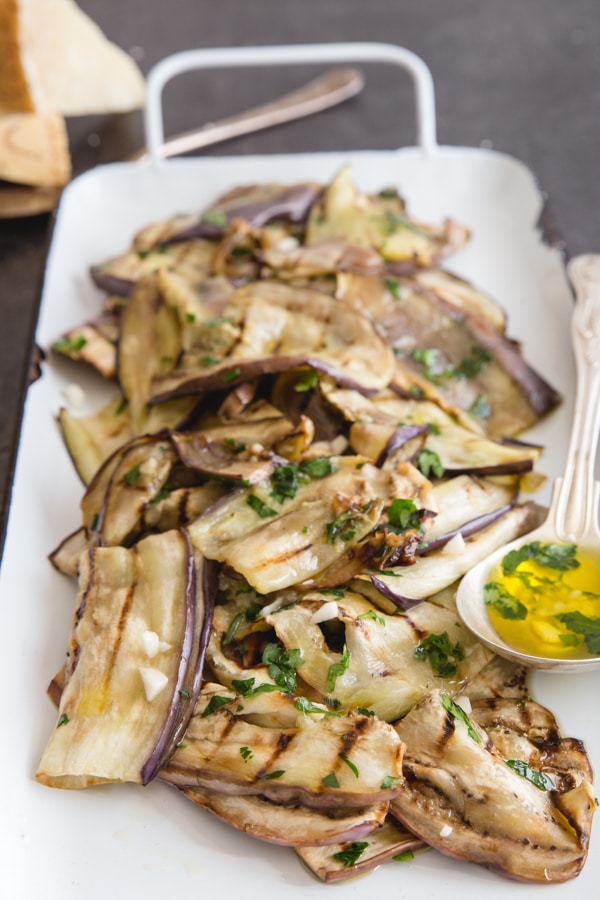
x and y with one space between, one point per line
521 76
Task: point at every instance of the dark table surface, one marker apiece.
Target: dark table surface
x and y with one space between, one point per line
521 76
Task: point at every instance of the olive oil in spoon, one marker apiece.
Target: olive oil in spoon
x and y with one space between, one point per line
537 601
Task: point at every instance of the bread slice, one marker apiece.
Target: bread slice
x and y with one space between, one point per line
54 58
34 149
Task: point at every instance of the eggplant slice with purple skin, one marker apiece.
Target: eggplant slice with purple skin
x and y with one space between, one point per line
135 658
290 826
497 786
281 327
333 760
353 857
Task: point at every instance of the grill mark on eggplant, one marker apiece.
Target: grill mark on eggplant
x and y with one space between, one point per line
113 651
283 741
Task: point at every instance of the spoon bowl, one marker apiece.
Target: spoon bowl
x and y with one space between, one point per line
573 513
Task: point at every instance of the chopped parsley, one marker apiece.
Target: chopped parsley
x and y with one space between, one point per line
480 407
457 712
437 649
215 703
214 217
319 467
403 857
403 515
231 375
330 780
393 286
579 624
560 557
303 704
429 463
246 753
269 776
132 476
245 687
371 614
70 344
282 665
539 779
338 668
504 603
63 720
306 381
353 768
160 495
260 507
352 853
390 781
233 627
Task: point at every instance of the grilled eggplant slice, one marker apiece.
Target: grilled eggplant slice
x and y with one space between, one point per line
292 826
277 327
381 222
452 356
135 656
276 538
354 857
224 750
526 815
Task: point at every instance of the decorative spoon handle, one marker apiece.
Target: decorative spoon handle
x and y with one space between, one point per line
575 502
323 92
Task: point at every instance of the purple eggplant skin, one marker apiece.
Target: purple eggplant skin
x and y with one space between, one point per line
404 603
245 370
468 529
401 436
515 467
122 287
292 205
200 592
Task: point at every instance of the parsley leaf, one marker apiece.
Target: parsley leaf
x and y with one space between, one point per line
282 665
429 463
338 668
330 780
560 557
132 476
307 381
578 623
319 467
403 515
457 712
437 649
504 603
260 507
351 854
303 704
540 779
215 703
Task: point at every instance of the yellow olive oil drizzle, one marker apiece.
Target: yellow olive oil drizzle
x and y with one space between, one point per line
544 600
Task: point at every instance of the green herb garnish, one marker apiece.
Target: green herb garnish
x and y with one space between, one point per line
540 779
260 507
330 780
503 602
132 476
282 665
429 463
338 668
215 703
306 381
560 557
351 854
437 649
457 712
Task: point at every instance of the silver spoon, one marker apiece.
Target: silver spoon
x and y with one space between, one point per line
573 514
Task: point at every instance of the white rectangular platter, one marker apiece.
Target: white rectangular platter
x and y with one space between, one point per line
131 842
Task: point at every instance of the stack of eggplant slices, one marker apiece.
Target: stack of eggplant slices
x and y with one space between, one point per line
311 439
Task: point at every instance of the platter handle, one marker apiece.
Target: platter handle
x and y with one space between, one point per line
225 57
